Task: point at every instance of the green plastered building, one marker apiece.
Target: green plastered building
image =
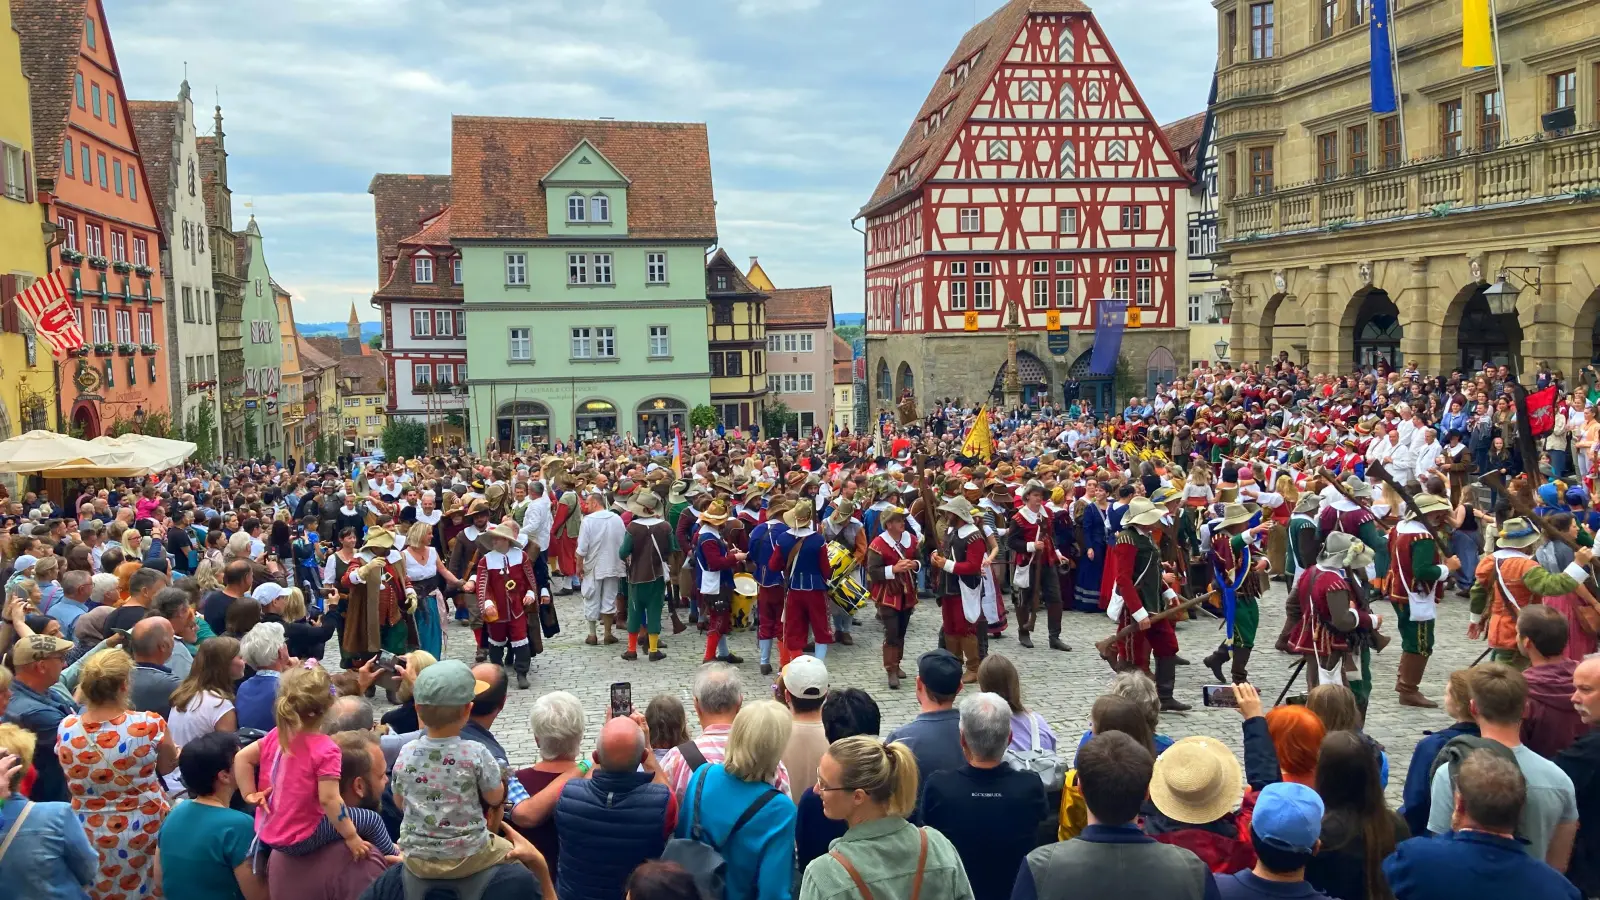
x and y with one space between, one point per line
583 248
263 350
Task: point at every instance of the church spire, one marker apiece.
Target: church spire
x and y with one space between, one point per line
353 327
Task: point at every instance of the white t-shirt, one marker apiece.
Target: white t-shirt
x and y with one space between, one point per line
200 718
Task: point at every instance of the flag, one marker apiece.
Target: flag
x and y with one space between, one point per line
1382 65
1541 411
1477 45
827 450
677 452
47 306
980 442
1110 318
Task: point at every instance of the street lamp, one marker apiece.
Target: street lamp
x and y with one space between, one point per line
1221 346
1224 305
1502 299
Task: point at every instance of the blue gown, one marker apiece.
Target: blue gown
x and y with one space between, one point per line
1086 592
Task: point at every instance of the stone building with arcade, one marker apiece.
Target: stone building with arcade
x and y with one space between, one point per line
1348 236
1032 185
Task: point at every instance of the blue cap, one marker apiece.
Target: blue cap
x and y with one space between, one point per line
1288 816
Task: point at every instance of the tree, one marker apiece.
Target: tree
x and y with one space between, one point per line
779 419
403 437
1123 381
702 417
251 445
849 332
375 342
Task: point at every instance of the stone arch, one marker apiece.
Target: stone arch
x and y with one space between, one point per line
1160 368
1473 333
1032 374
86 419
883 387
1370 328
904 380
1266 322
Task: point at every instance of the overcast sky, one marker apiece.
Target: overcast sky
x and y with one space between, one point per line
805 102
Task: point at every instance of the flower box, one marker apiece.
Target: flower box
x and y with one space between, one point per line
149 349
104 349
143 271
99 262
70 256
121 266
126 349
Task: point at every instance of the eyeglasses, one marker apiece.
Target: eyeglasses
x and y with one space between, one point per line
822 788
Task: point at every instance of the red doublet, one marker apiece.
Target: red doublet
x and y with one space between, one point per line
1038 532
899 592
952 612
1161 638
505 579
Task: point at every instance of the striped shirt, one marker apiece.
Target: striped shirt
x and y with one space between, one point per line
713 745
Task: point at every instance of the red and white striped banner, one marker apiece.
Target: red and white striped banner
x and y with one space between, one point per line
47 305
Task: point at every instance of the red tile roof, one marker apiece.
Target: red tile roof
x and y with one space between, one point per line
842 351
1184 136
843 373
313 358
400 275
993 36
721 264
155 123
401 203
51 33
368 373
497 165
800 306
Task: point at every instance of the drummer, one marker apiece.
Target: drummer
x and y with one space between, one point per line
801 555
844 529
769 584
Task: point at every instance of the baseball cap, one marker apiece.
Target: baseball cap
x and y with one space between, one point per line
1288 816
25 562
447 682
940 672
266 593
806 677
35 647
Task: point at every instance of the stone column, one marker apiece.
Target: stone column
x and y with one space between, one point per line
1322 333
1420 338
1545 337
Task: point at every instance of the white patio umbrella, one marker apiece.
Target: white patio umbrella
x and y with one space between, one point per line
38 451
161 453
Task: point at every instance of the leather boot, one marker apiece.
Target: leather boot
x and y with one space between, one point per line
607 620
677 624
969 650
1053 620
1024 626
1215 660
497 654
1241 659
521 657
1166 681
1412 665
889 666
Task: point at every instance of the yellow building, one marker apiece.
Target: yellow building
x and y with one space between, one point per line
736 332
27 378
361 394
1348 236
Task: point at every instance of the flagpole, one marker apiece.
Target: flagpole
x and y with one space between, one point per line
1499 71
1399 92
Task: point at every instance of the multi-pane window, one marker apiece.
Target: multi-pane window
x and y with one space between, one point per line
1260 170
734 365
461 323
1120 265
660 342
444 373
983 295
594 343
1143 264
1357 14
119 247
1490 109
1357 140
1041 293
141 252
205 305
577 268
1194 309
516 268
806 342
1329 20
1068 223
444 323
188 306
655 268
1144 291
521 344
983 267
421 374
1230 37
147 334
1563 90
70 227
1261 37
1389 133
1452 139
422 269
602 268
421 323
94 240
455 270
98 319
1132 218
1328 156
577 209
461 373
971 220
600 208
1119 288
958 295
1066 293
124 327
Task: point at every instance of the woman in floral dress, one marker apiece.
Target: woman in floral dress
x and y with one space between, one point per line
114 759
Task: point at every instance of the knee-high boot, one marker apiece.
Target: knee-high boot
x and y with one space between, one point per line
969 650
1024 619
521 660
1241 659
497 654
1215 660
1166 682
891 662
1409 679
1053 619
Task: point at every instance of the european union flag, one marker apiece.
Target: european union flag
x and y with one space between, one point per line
1110 317
1382 68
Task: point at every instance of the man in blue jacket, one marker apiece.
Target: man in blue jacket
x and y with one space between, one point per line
1480 856
613 820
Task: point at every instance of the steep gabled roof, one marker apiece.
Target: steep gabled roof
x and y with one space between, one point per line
313 358
721 264
1184 137
401 203
989 39
51 33
497 164
800 306
842 351
155 123
843 372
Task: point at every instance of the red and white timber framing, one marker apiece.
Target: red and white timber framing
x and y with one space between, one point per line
1057 190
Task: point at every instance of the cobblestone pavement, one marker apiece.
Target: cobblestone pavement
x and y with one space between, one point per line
1060 686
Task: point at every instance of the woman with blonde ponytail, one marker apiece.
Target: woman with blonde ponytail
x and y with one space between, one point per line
872 786
292 777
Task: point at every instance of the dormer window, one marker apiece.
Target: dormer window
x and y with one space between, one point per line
422 270
577 208
455 270
599 208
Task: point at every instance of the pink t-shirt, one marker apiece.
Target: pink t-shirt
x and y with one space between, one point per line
292 811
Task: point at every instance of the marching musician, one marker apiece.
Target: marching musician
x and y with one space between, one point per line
1031 540
841 527
962 604
801 554
891 564
714 562
1414 587
769 585
1133 592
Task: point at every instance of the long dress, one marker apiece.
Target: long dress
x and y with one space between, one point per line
1554 557
1086 590
111 774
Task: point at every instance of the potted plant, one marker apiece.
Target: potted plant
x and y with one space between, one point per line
425 387
143 271
71 256
126 348
149 349
104 348
122 266
99 262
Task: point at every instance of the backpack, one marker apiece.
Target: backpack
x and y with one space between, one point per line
1074 809
1456 749
1046 764
701 857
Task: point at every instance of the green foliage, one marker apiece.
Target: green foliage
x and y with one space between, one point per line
1124 382
252 445
779 419
403 437
849 332
376 342
200 430
702 417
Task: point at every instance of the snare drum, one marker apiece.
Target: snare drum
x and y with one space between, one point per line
848 594
841 558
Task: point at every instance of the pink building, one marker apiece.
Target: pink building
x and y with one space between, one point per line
800 352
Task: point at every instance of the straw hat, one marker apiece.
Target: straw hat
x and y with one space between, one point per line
378 539
801 514
958 507
501 529
1197 780
716 513
1234 514
1142 512
1518 533
1428 503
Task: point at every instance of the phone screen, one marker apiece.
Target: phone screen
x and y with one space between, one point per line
621 699
1219 695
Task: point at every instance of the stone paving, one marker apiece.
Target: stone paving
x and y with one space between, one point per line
1060 686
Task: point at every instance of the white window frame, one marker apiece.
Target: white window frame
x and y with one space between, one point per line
983 267
577 208
455 270
806 342
1067 220
422 323
1041 293
421 374
444 323
983 295
1194 309
124 320
1119 265
1144 291
1119 288
660 343
147 327
101 324
1143 264
600 208
577 268
1066 293
422 269
461 323
970 220
444 373
516 269
602 268
521 344
582 343
958 295
655 268
808 383
605 342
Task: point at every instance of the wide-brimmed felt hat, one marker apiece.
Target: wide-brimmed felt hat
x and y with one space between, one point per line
1196 781
1235 514
1034 486
1142 512
1517 533
477 506
1308 503
645 503
501 529
958 507
1428 503
802 514
842 510
716 513
1165 495
1357 488
1345 551
378 538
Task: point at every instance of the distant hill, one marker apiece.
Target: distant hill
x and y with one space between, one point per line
840 318
337 329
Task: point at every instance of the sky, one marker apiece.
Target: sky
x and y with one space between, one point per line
805 102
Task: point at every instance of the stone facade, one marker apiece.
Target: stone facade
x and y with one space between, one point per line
1346 237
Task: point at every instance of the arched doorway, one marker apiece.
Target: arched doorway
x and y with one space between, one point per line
522 424
1160 369
1377 330
885 388
85 420
905 381
1098 390
1030 374
1481 337
596 419
660 415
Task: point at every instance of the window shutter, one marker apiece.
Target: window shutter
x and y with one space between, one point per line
9 322
29 188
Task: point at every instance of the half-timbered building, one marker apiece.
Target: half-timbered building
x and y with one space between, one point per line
1032 185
